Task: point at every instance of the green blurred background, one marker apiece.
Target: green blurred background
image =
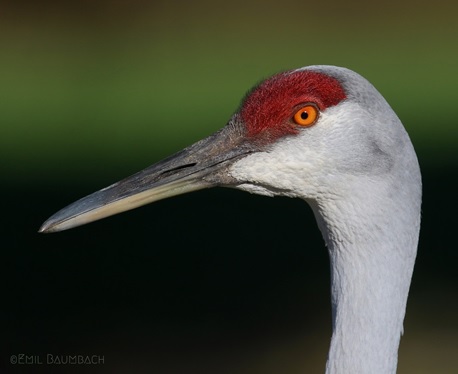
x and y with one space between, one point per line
217 281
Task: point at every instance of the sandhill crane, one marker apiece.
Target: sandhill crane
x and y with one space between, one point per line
326 135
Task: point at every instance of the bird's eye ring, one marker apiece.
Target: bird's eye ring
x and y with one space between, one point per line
306 115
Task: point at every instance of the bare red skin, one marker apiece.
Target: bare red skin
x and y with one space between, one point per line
268 109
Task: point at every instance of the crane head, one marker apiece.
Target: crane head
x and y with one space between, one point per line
300 133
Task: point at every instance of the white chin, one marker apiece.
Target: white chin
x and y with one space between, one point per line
258 190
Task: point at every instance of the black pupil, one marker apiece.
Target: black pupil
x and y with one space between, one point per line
304 115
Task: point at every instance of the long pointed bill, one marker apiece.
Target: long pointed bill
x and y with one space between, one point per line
202 165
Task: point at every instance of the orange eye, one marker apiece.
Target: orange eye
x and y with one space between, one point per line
306 116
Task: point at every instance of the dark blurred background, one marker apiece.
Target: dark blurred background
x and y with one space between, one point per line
217 281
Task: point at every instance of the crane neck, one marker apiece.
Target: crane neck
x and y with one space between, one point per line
372 239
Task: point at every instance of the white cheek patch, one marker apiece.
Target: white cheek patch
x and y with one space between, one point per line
270 173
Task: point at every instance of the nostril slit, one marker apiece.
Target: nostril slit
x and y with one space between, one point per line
169 171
